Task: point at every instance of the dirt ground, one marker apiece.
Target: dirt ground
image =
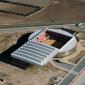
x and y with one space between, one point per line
31 76
65 11
8 39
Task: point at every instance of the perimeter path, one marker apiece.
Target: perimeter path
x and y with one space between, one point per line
65 26
73 72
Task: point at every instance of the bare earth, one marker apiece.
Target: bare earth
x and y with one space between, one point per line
8 39
66 11
31 76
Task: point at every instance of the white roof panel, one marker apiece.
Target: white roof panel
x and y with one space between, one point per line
35 53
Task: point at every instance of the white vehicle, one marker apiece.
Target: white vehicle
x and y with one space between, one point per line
45 44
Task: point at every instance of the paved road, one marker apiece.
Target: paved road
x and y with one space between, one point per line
27 27
64 66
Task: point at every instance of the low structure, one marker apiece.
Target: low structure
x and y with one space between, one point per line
45 44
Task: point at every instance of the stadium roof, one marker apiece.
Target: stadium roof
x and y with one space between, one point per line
35 53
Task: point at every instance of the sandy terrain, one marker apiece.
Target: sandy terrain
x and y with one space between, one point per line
8 39
15 8
66 11
31 76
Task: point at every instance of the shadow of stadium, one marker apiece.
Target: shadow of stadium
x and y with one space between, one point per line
6 55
